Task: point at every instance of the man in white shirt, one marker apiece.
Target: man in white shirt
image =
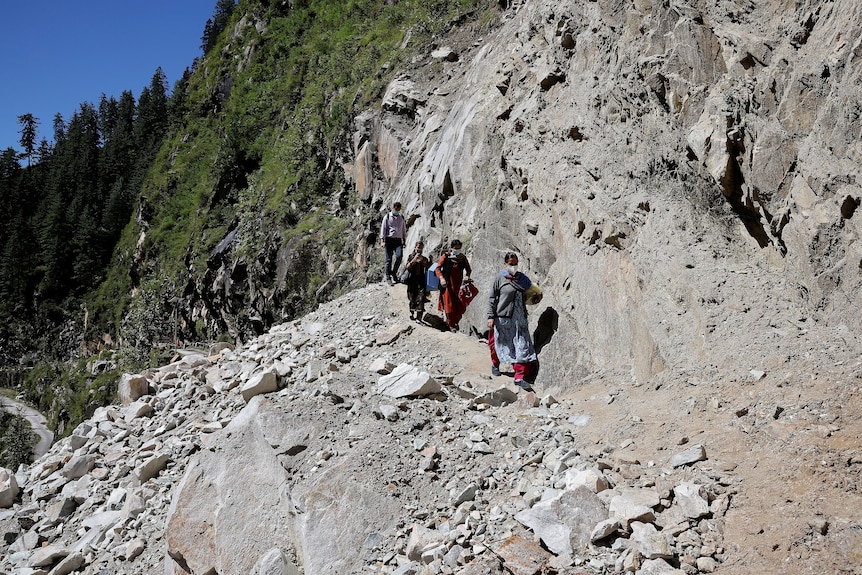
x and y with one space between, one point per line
393 235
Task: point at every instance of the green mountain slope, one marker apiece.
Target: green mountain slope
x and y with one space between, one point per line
246 217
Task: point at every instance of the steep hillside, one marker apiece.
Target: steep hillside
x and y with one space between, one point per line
651 162
681 178
672 175
247 218
354 441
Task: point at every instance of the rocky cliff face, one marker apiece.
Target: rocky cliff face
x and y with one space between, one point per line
681 180
667 170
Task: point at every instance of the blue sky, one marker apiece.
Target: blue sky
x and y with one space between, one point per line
59 53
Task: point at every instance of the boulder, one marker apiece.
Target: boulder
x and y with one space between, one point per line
566 522
152 467
131 388
522 557
265 382
650 542
137 409
408 381
691 455
226 495
690 498
8 488
274 562
78 466
70 563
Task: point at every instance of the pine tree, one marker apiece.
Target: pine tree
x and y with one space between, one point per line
152 121
217 24
59 129
29 134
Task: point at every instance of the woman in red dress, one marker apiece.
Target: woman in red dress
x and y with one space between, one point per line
452 269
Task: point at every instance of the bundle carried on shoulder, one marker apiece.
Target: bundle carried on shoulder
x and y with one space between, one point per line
532 295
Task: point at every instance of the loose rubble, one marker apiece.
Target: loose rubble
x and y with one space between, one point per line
316 449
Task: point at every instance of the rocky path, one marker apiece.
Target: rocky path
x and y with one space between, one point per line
355 441
37 422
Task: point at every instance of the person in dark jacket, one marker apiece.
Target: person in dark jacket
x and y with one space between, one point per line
508 330
417 265
452 269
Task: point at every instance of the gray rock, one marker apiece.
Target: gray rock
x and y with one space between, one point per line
604 529
706 564
102 520
411 568
137 409
314 370
408 381
133 549
388 412
421 538
266 382
634 505
393 333
497 397
693 454
651 542
70 563
45 556
466 494
690 498
8 488
77 441
78 467
274 562
381 366
579 420
451 559
25 542
590 478
566 522
131 388
152 467
60 508
658 567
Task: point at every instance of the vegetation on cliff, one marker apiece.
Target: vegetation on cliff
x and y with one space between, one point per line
210 211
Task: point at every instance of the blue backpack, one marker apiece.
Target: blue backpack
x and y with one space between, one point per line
432 282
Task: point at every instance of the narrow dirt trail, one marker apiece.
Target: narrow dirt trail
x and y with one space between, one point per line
467 356
37 422
789 443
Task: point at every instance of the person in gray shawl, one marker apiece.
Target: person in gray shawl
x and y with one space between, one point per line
508 331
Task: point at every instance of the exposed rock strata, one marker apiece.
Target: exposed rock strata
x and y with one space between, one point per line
645 159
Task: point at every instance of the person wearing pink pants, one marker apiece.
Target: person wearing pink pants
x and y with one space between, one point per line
509 337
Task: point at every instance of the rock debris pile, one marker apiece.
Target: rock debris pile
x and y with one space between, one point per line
352 441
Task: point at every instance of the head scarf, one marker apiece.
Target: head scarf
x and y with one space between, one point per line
519 281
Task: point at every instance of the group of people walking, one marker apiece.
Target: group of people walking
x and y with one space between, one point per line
509 339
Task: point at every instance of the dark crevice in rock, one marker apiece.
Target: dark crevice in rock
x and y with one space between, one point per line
732 187
848 207
548 324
